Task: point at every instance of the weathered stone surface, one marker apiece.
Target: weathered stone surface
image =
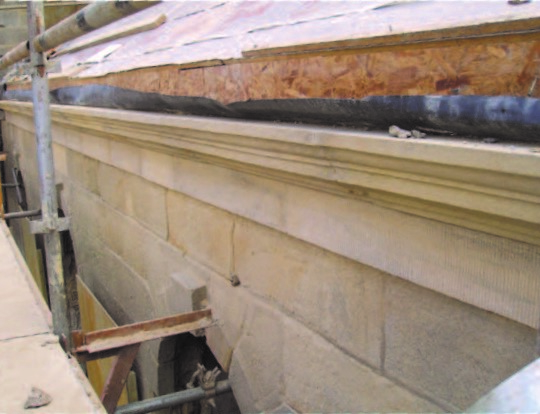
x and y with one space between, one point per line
260 355
241 388
452 350
158 168
175 283
223 338
82 170
94 147
126 157
123 293
201 230
135 197
187 290
60 160
319 377
340 299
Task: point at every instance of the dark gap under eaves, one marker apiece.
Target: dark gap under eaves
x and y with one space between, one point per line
503 117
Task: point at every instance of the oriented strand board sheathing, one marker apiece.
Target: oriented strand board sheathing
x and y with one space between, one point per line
470 69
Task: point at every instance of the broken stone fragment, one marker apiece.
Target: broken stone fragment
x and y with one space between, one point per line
417 134
37 398
396 131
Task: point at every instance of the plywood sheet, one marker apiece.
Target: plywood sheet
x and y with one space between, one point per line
94 317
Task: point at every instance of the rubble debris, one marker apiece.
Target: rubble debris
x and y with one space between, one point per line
418 134
396 131
490 140
37 398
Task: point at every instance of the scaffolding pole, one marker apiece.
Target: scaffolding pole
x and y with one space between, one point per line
47 184
92 17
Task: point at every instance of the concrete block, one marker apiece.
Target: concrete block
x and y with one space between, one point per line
318 377
201 230
82 170
135 197
449 349
338 298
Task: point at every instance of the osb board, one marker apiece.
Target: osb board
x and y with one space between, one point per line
94 317
470 68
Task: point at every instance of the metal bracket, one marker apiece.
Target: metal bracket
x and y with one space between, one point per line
41 227
207 381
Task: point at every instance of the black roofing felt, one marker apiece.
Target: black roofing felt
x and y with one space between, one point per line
503 117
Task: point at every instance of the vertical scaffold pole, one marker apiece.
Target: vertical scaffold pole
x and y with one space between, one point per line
47 184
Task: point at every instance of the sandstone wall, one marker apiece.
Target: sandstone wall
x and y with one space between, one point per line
326 316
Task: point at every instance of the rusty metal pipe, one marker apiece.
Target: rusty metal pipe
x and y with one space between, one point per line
90 18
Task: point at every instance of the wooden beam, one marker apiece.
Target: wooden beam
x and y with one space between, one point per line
118 376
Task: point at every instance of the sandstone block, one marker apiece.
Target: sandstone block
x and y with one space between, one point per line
94 147
158 168
230 319
126 157
82 170
339 298
451 350
12 35
176 284
241 388
135 197
123 293
318 377
201 230
259 353
60 160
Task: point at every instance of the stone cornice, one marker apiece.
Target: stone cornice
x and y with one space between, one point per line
493 188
